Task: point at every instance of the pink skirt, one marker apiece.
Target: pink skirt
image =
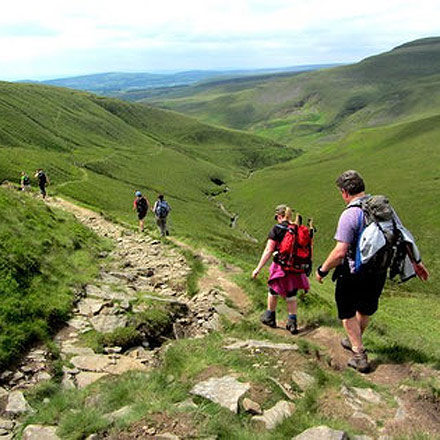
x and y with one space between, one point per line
284 282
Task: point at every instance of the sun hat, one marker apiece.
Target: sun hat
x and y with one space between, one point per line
138 193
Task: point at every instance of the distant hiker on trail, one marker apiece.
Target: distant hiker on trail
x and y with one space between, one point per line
370 239
25 182
288 271
161 210
141 205
43 181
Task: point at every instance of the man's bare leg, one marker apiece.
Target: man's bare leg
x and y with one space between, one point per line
353 329
363 321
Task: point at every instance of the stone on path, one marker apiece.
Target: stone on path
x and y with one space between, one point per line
90 306
226 391
108 323
251 407
17 404
38 432
275 415
321 433
86 378
368 395
251 343
124 364
95 362
302 379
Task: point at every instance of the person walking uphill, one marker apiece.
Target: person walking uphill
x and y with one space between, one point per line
141 205
43 181
370 239
161 210
286 277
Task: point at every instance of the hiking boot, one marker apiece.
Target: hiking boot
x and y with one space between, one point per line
268 318
346 343
360 362
292 326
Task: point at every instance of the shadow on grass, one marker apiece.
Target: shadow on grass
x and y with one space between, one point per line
398 354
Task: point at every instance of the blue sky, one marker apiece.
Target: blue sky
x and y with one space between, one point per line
49 39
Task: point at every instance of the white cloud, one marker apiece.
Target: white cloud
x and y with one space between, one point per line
35 34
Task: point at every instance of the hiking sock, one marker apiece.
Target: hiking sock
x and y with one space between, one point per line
292 317
270 314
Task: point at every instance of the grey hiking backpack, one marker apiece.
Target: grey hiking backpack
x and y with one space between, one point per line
378 238
162 209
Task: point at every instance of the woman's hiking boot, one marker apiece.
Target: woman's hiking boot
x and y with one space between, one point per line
292 326
359 362
346 343
268 318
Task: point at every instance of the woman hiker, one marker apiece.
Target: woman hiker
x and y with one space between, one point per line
281 282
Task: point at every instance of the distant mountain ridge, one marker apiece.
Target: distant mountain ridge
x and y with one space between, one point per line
390 87
112 83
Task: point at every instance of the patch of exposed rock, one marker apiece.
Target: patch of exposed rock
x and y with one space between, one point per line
321 433
275 415
226 391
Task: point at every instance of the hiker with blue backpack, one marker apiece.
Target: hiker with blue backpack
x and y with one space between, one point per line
290 245
370 242
161 210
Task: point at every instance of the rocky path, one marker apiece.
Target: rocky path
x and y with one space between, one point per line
138 270
141 271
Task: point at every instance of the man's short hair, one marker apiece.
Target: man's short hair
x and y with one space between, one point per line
351 181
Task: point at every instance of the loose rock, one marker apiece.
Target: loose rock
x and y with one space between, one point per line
275 415
321 433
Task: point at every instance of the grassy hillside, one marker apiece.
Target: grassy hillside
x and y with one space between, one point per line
395 86
400 161
99 151
43 256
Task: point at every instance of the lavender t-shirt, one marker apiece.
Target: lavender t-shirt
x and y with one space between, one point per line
348 229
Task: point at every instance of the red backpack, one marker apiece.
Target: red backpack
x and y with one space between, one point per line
294 253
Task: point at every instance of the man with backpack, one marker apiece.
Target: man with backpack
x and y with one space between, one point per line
161 210
25 182
43 181
141 205
370 240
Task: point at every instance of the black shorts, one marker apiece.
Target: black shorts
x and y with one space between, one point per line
358 293
42 189
142 214
290 294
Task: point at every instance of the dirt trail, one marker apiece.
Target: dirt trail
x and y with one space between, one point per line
218 276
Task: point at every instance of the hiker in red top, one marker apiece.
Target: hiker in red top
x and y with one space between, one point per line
284 279
141 205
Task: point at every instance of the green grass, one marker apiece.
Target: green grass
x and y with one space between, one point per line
44 255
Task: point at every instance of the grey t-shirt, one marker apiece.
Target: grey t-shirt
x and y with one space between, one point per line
349 227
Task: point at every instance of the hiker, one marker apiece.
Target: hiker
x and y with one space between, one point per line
43 181
359 286
141 205
25 182
281 281
161 210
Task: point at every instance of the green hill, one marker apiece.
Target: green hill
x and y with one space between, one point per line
383 110
395 86
99 151
44 255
